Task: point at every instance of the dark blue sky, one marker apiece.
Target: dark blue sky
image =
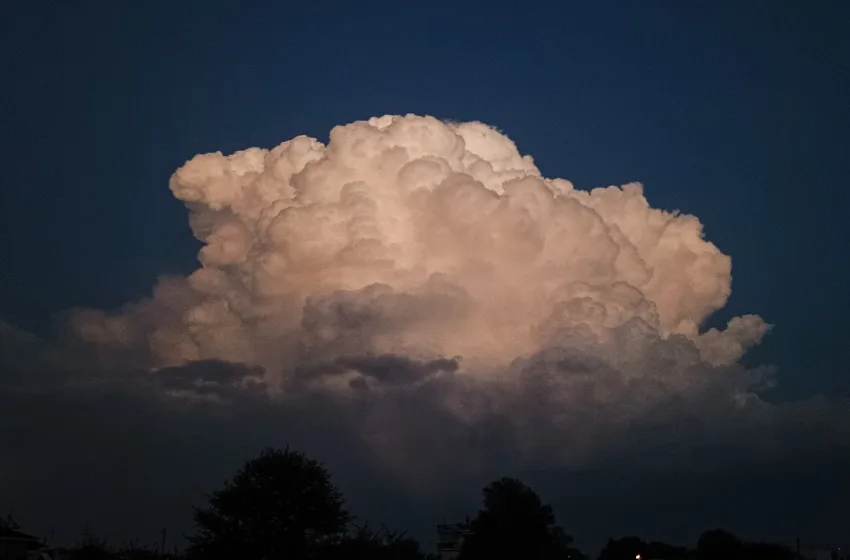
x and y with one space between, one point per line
735 112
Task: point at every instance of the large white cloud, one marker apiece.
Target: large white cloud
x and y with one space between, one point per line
445 213
408 240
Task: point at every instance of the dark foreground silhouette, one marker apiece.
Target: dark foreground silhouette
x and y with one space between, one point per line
284 505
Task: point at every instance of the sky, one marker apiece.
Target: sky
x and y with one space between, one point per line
735 114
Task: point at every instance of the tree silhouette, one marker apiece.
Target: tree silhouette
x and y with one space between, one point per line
279 505
717 544
627 548
663 551
768 551
514 523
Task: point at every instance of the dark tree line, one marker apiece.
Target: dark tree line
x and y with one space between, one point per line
283 505
712 545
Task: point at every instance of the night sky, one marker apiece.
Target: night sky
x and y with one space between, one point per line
734 112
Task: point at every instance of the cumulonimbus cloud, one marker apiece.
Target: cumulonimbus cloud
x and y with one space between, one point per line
415 256
446 240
